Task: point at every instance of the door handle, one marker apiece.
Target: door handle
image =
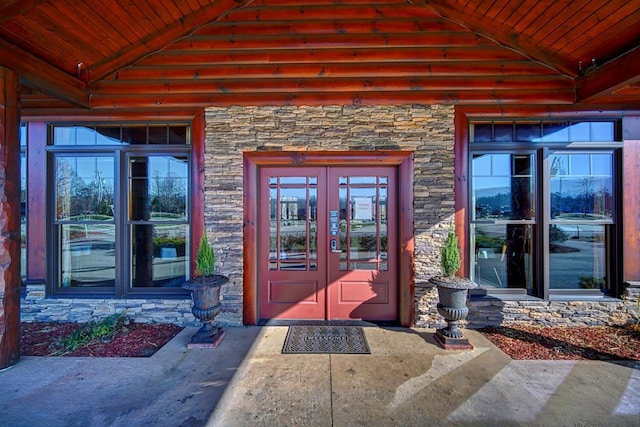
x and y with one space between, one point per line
334 247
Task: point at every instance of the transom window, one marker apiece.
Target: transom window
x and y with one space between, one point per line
120 211
543 204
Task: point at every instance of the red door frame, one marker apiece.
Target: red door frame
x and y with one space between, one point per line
402 159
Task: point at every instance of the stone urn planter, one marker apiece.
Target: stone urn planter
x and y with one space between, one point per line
452 294
205 293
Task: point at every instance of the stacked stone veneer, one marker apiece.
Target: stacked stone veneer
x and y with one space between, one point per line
428 131
488 311
34 307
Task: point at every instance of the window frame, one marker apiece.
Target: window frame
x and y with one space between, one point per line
540 233
120 152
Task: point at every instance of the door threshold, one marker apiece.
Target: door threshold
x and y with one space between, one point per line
347 322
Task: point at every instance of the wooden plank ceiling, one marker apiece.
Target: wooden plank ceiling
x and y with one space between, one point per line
160 54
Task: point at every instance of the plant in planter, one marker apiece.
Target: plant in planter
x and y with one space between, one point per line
205 293
452 294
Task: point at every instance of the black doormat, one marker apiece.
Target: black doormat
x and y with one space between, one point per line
325 340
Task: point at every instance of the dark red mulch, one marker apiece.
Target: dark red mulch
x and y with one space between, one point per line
134 340
523 342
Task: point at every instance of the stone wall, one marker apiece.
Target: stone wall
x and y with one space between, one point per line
426 130
487 311
34 307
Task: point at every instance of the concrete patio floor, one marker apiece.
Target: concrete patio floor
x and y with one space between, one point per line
407 380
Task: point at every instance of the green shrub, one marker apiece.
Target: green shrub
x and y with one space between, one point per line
450 254
205 257
105 329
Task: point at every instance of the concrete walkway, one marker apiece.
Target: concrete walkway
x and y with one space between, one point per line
407 380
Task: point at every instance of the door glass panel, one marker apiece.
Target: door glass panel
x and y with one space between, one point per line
293 226
364 236
87 255
581 187
503 255
293 223
363 221
363 180
577 256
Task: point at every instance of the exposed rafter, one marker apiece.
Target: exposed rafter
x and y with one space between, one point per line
606 79
509 39
11 8
159 39
37 73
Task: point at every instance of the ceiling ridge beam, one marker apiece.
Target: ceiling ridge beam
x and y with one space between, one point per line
159 39
35 72
611 76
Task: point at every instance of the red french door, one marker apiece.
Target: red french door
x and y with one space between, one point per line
327 243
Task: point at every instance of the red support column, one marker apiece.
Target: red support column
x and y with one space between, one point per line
9 218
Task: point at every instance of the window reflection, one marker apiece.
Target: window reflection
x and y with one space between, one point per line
87 255
503 186
84 188
581 186
577 256
159 255
158 187
503 255
293 241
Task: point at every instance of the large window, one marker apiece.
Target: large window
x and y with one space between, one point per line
543 203
120 212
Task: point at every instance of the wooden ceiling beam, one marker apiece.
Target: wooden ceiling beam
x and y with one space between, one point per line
488 97
334 55
159 39
326 41
610 77
331 84
12 8
39 74
356 26
331 12
515 40
321 70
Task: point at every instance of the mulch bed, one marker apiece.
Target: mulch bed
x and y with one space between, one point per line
520 342
523 342
133 340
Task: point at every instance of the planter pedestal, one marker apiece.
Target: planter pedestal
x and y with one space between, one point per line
205 293
452 294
